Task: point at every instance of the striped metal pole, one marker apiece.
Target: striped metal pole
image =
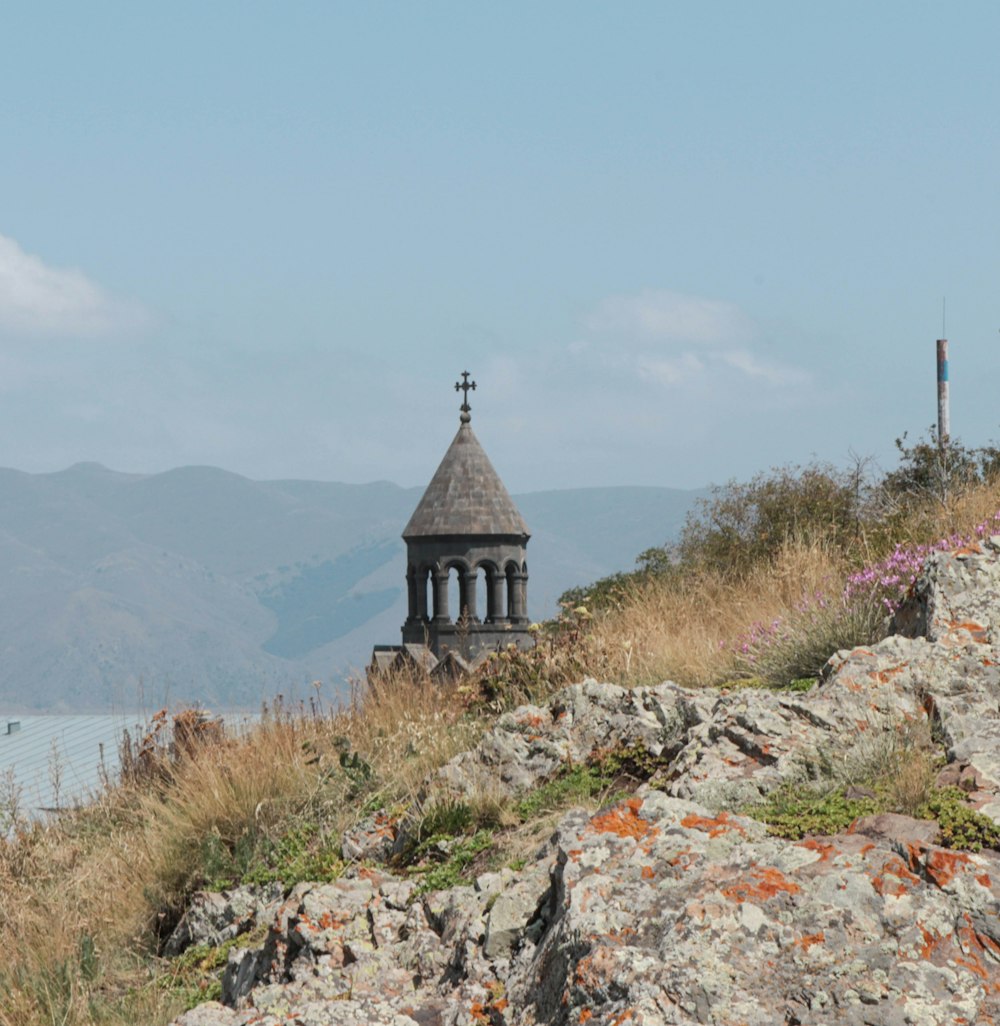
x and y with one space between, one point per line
944 424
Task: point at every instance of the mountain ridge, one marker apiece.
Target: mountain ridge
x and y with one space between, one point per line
202 585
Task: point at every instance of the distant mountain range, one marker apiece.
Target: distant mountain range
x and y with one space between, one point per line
198 585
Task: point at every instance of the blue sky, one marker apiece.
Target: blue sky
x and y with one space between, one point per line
674 243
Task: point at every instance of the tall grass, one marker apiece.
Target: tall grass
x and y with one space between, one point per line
685 628
86 899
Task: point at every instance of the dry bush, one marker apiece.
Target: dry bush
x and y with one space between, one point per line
974 506
407 726
71 914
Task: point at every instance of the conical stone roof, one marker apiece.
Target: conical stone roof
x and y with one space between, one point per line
465 496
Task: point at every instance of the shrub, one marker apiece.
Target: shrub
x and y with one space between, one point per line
744 525
798 646
961 825
929 472
562 653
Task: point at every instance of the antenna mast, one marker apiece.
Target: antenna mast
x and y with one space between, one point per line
944 421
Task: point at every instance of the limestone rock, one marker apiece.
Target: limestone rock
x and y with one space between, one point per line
371 840
215 917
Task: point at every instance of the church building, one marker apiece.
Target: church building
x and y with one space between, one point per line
466 573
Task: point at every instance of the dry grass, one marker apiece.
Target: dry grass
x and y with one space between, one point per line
685 630
963 511
84 898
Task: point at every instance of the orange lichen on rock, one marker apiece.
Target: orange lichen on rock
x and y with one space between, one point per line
977 630
972 947
713 827
766 882
648 873
894 878
822 848
624 820
586 1015
941 865
884 676
328 921
683 859
810 939
931 942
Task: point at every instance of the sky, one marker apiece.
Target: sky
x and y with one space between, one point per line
673 243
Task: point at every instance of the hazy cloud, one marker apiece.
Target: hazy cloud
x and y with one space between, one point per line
671 371
36 299
672 339
662 316
773 374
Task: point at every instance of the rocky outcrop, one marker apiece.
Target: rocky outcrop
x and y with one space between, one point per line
669 907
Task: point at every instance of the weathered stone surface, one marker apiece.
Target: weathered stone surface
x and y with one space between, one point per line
214 917
530 743
669 908
514 909
899 831
371 840
673 913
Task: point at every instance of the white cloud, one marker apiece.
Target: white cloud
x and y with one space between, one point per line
773 374
671 339
671 371
662 316
36 299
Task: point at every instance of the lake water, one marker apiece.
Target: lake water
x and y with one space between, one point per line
58 761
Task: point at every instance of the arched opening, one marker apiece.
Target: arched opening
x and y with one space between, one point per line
455 604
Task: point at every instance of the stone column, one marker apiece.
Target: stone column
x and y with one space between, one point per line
517 597
411 594
468 593
420 584
497 610
441 596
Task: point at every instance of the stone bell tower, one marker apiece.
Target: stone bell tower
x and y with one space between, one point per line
466 531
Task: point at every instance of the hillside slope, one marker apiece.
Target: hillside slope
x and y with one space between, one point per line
683 900
202 585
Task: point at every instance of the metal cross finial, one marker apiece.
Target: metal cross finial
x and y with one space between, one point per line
465 386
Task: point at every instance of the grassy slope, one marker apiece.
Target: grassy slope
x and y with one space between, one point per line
85 899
